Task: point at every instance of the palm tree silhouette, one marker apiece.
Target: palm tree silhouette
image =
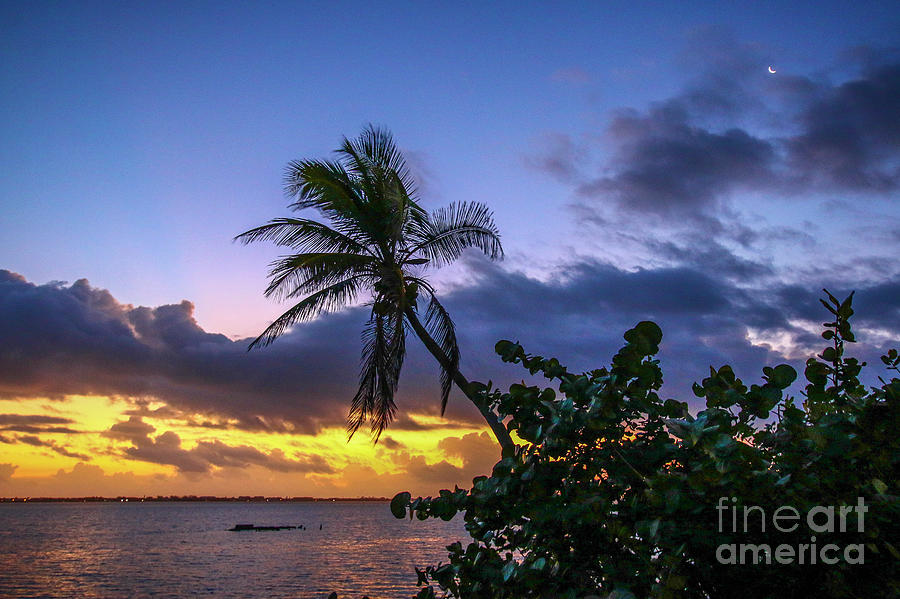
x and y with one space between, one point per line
379 240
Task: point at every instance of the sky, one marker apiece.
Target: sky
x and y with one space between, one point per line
641 161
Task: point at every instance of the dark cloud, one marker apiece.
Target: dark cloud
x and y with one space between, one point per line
35 423
404 422
735 129
141 408
389 442
688 187
711 257
52 445
665 165
706 319
850 136
876 306
134 430
25 428
31 419
166 449
60 340
306 378
226 456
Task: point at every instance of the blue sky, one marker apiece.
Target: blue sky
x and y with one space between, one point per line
640 160
140 137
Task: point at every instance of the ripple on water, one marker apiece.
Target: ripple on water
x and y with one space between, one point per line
98 550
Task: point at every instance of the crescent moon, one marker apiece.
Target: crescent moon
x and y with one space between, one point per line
772 70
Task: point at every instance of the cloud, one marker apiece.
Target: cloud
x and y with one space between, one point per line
226 456
35 423
24 428
89 480
735 130
707 319
62 340
714 308
712 257
31 420
389 442
478 452
558 155
52 445
134 430
850 135
166 449
6 472
665 165
435 474
75 339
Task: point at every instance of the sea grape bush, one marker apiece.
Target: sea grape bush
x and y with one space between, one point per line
613 492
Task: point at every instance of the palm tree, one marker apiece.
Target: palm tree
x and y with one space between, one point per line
379 240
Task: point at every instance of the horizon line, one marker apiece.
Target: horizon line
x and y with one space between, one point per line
189 498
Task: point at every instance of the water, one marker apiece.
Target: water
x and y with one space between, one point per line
183 550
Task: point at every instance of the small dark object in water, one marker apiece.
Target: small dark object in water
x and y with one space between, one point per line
252 527
320 527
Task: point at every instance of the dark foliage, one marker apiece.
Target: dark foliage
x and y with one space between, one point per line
614 492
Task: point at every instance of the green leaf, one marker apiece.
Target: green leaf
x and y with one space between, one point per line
509 351
782 376
645 336
846 311
399 503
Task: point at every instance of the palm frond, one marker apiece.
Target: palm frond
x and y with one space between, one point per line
375 155
356 208
450 230
326 300
321 184
298 274
443 331
384 180
384 348
327 187
302 233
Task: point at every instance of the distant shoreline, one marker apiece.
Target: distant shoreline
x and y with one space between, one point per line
191 498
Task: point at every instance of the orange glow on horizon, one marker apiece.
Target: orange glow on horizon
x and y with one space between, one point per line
91 461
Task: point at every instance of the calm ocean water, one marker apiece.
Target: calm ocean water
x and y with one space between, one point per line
184 550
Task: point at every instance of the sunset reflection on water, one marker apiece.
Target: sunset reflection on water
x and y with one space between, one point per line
183 549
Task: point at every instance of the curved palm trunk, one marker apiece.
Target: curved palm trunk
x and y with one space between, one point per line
493 421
